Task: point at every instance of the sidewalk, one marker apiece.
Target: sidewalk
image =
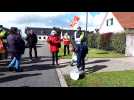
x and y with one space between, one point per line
101 65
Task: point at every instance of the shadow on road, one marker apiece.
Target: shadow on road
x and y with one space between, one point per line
102 53
15 77
34 61
37 67
97 61
95 68
1 74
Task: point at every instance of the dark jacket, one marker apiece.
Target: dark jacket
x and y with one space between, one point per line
31 40
11 43
20 45
16 44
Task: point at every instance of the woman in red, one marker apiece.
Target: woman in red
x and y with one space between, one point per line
54 42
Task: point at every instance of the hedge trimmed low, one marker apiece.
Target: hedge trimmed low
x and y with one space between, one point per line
109 41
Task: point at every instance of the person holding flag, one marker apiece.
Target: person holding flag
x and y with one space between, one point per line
81 48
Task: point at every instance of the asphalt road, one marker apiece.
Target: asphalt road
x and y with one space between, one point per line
38 73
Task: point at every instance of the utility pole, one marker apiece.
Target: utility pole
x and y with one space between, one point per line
86 33
86 20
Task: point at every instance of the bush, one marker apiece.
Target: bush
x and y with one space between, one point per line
105 41
102 41
98 41
118 42
91 40
109 41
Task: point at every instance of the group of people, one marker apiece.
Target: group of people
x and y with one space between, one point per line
13 45
79 44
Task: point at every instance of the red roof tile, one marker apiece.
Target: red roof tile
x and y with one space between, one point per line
126 19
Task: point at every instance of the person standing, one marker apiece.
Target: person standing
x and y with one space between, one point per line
16 49
54 42
81 48
3 39
66 42
32 41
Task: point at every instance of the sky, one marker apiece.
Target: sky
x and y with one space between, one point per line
49 19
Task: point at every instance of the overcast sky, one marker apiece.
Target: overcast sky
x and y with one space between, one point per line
49 19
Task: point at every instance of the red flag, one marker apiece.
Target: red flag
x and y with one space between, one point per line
75 21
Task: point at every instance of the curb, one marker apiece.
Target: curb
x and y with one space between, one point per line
61 78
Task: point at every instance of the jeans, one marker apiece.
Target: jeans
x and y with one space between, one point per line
30 51
66 47
80 57
15 62
54 58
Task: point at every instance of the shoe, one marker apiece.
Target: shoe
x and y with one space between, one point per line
19 70
57 64
36 57
80 68
11 68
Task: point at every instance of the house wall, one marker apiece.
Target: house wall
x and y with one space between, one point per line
116 27
129 45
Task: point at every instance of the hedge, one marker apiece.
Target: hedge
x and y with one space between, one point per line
109 41
91 40
118 42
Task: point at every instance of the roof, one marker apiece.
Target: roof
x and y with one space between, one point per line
47 31
126 19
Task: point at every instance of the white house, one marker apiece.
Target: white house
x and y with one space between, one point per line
115 22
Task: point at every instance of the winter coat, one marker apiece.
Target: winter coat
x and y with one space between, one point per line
20 45
31 40
11 39
16 44
54 42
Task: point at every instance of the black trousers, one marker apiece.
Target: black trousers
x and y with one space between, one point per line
55 58
30 51
66 47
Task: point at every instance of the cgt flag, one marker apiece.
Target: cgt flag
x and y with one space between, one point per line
74 22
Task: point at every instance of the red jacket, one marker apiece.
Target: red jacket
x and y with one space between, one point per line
54 42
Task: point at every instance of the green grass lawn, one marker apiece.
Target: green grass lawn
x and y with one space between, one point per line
104 79
61 53
95 53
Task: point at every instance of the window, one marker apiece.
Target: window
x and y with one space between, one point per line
39 37
110 22
107 22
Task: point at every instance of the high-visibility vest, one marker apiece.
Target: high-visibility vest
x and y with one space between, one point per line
2 49
2 33
66 40
78 37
